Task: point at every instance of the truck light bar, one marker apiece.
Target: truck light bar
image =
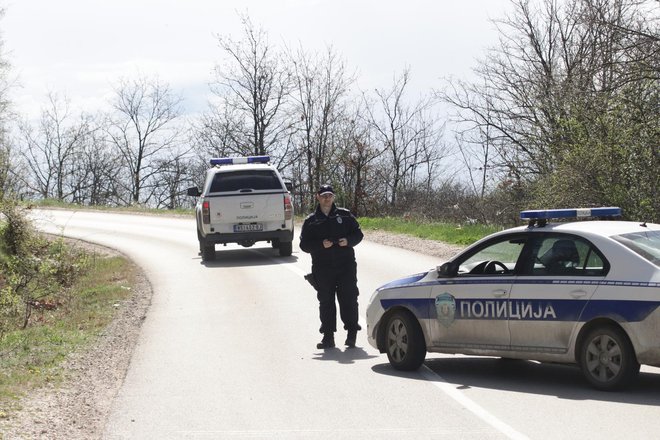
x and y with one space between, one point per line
239 160
545 214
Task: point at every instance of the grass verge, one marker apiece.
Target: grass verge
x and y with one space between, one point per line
133 209
33 357
445 232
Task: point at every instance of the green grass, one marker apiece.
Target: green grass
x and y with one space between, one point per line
33 357
50 203
449 233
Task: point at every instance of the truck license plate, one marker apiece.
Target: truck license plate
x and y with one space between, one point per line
252 227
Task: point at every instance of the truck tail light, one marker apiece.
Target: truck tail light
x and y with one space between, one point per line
288 208
206 213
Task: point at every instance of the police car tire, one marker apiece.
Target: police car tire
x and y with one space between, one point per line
404 341
600 341
208 251
286 247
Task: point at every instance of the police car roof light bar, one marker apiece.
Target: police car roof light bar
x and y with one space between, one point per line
239 160
546 214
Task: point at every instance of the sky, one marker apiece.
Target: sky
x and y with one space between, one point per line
81 48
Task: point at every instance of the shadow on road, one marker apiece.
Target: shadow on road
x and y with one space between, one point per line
561 381
264 256
343 355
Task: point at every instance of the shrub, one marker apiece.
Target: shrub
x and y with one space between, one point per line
35 271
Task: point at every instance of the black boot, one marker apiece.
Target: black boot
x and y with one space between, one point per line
350 338
328 341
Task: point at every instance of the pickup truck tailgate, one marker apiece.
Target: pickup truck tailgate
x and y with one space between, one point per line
264 210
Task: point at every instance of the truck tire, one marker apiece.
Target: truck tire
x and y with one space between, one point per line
208 251
286 247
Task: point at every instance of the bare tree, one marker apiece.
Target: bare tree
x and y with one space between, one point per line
568 101
94 181
174 176
51 149
216 133
319 96
6 84
143 129
251 90
410 135
478 156
358 155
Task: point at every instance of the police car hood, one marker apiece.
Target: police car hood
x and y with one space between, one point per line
417 279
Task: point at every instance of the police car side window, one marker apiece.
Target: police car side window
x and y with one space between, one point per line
567 256
595 265
497 258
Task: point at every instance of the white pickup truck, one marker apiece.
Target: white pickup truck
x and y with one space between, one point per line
244 200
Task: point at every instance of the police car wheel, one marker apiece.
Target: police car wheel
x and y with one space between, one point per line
286 248
607 358
404 341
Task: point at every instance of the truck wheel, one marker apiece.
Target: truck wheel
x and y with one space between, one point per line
286 247
208 251
201 242
607 358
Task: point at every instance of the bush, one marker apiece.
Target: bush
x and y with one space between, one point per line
35 272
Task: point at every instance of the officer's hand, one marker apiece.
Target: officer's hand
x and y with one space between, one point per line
327 243
343 242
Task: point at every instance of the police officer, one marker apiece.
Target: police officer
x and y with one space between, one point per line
329 235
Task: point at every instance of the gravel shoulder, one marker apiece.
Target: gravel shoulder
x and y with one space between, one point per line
78 408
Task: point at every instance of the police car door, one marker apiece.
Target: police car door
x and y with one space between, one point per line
471 303
560 275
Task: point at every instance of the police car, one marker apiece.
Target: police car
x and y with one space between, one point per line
244 200
581 292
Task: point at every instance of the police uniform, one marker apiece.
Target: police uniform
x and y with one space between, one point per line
334 268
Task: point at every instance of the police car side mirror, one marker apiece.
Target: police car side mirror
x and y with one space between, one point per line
447 270
194 192
289 185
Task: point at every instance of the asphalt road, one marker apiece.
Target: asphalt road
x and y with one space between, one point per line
227 351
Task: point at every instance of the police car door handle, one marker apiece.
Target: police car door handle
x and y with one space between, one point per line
578 293
499 293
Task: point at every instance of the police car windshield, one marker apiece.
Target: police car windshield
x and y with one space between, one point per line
646 244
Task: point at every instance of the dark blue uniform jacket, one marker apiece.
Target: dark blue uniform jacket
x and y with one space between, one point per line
339 223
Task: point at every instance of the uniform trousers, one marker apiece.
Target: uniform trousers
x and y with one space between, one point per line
342 281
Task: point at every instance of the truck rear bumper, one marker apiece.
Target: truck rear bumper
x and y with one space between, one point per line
238 237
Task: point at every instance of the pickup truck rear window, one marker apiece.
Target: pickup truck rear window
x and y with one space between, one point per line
245 180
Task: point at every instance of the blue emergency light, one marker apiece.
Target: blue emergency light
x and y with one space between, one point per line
239 160
545 214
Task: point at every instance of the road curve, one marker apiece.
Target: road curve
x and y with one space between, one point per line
228 351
